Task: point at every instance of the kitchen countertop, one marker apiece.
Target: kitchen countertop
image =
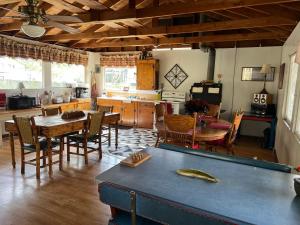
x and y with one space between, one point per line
131 99
13 111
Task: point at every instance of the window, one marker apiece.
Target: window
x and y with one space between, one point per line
117 78
291 90
66 75
15 70
298 123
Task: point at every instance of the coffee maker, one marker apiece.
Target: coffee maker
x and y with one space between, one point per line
81 92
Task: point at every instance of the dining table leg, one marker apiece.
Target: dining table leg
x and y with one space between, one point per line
116 133
12 149
61 152
49 151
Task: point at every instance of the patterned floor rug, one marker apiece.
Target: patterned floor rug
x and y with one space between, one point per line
130 140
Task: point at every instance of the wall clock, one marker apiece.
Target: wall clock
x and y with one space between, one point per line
176 76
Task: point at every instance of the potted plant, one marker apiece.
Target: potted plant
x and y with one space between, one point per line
196 105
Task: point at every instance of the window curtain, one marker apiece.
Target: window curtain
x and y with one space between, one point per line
13 48
124 60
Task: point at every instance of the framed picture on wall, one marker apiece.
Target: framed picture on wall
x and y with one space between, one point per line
281 76
254 74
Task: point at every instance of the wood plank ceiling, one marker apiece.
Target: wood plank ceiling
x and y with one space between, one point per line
130 25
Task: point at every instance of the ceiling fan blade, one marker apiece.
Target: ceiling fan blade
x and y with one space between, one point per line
63 27
12 10
13 17
69 19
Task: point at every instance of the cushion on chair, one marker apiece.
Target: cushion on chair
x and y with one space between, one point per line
43 145
222 126
79 138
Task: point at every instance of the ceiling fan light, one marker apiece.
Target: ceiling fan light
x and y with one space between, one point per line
33 30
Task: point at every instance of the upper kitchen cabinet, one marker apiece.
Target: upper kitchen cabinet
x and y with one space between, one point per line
147 74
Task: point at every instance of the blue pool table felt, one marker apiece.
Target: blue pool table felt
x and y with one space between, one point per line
244 193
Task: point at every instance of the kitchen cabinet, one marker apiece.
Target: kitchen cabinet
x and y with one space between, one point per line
117 105
145 114
132 113
147 74
84 105
80 104
66 106
128 113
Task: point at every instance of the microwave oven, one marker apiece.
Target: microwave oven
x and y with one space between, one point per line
21 102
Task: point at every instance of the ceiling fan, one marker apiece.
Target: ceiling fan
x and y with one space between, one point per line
35 17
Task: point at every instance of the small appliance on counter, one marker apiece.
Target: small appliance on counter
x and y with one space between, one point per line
177 99
81 92
2 99
57 100
21 102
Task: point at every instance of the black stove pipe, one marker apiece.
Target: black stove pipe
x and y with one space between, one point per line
211 63
211 52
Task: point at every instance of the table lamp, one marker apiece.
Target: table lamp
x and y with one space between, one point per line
265 70
21 87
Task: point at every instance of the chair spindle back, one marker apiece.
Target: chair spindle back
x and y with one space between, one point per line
105 109
51 111
180 128
26 130
94 123
237 118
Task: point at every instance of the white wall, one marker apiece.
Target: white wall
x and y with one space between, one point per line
193 62
229 63
287 146
238 94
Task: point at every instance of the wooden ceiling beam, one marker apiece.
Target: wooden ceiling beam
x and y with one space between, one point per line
93 4
186 40
180 29
5 2
277 10
109 3
183 8
65 5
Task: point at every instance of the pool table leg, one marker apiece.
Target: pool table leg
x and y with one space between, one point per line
114 211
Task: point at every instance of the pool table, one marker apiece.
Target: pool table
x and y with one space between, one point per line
245 194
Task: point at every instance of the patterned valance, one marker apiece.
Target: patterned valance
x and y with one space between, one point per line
15 48
124 60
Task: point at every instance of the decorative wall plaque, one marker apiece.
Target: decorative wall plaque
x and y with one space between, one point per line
176 76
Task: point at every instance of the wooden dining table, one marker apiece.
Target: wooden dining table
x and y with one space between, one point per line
55 126
213 130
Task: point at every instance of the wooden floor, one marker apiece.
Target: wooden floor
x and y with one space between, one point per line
71 196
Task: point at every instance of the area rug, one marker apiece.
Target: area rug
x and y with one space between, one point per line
130 140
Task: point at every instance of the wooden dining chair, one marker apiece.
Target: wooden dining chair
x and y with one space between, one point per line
51 111
90 135
106 128
214 110
32 143
180 129
160 111
228 142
